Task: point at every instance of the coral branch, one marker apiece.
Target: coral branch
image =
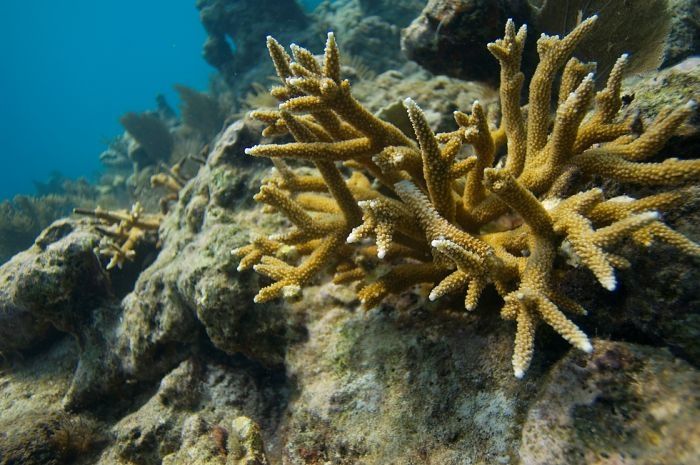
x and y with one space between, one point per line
462 220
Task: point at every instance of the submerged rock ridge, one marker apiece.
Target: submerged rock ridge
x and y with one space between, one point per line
483 206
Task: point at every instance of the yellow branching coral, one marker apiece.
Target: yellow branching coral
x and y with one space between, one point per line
461 220
125 231
173 179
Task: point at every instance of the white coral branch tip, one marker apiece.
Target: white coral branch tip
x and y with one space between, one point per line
651 215
409 103
609 283
585 346
438 242
353 236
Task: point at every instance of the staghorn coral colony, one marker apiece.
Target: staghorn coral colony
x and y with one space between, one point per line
479 206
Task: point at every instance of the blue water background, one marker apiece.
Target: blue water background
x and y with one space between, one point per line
70 68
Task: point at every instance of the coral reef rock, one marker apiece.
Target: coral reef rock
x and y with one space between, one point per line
627 404
192 292
24 217
413 386
34 429
656 33
438 96
245 23
57 282
399 12
199 415
370 29
446 37
449 36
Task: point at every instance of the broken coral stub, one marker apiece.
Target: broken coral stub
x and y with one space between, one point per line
436 208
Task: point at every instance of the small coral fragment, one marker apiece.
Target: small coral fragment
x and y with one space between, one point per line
466 209
125 231
172 179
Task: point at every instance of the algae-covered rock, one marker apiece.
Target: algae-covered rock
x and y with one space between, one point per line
193 417
408 384
684 39
449 37
50 438
57 282
624 404
245 444
193 287
679 84
411 385
245 23
34 429
200 445
239 443
438 96
61 284
190 296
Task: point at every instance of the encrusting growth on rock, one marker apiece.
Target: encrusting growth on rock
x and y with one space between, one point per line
125 230
436 206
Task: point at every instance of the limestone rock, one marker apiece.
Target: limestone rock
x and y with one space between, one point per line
57 282
404 385
438 96
193 287
624 404
246 24
194 417
449 37
399 12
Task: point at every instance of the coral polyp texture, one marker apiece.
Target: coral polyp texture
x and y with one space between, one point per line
479 206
